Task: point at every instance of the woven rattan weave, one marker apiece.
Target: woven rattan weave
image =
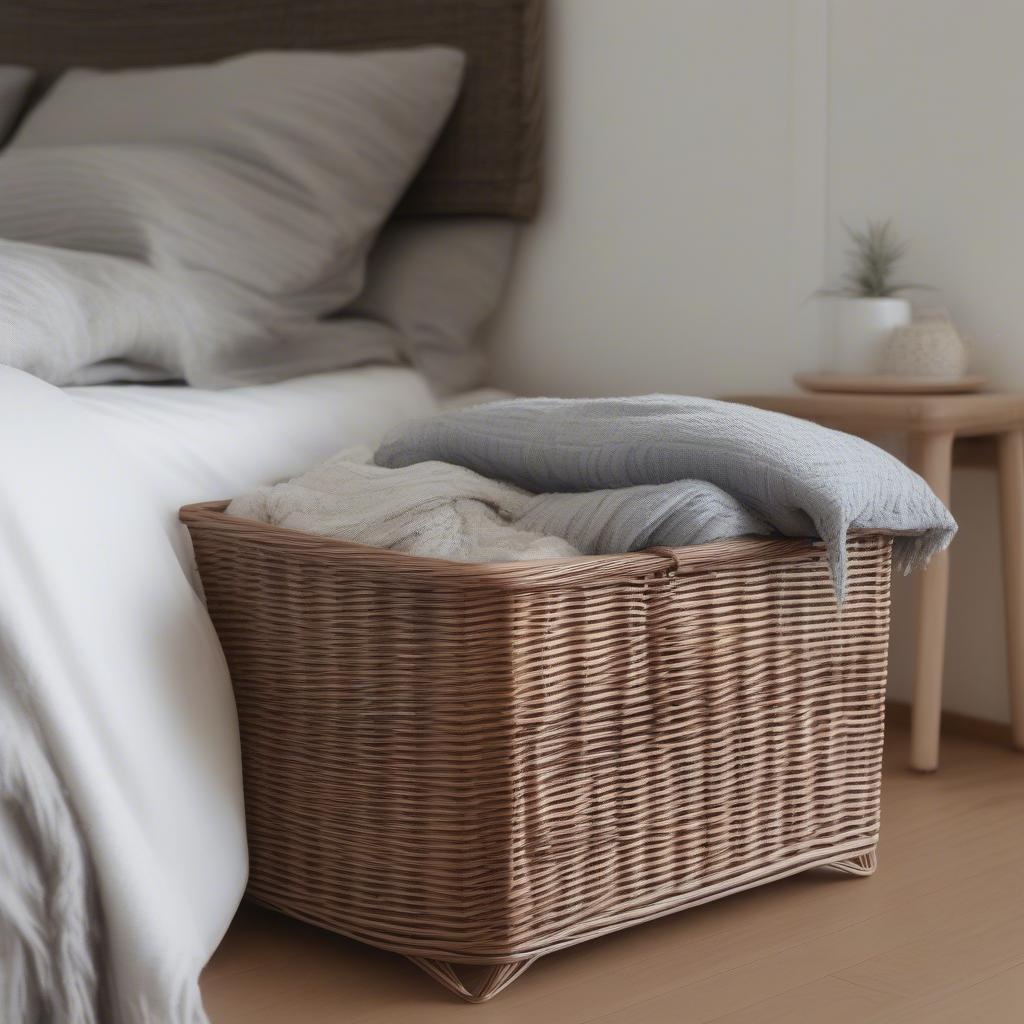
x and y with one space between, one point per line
481 764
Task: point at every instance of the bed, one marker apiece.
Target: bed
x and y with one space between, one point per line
121 822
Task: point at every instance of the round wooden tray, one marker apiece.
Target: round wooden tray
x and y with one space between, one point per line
889 383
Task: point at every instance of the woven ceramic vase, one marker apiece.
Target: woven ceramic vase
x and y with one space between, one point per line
930 346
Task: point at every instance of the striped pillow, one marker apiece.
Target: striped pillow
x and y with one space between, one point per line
257 184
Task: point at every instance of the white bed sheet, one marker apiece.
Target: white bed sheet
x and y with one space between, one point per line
105 639
189 444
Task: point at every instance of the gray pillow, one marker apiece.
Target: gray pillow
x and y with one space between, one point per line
83 318
436 282
430 287
14 85
256 184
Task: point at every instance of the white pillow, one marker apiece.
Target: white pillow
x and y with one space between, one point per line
14 85
257 185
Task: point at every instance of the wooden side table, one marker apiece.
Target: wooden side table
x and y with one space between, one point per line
931 422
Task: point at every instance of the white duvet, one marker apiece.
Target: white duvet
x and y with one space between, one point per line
105 644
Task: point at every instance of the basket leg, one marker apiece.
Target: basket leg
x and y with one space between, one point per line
862 864
497 978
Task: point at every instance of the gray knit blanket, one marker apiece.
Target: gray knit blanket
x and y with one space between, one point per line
801 479
437 510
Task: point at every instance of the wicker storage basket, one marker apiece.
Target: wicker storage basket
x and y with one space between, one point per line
481 764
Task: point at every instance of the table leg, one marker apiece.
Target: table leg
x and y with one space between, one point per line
931 455
1011 511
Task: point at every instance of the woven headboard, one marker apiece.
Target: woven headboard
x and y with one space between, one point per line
488 159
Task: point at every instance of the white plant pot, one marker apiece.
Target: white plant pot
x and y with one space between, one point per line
860 332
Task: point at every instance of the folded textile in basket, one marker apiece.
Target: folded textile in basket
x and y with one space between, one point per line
802 479
443 511
429 509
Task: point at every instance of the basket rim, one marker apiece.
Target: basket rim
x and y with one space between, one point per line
689 560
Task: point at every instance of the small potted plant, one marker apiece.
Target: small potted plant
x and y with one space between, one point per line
867 307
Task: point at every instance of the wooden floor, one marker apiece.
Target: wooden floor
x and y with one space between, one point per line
936 936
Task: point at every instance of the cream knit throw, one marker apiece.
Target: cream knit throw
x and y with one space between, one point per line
430 509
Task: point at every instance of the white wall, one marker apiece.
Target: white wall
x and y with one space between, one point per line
702 156
925 124
662 259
